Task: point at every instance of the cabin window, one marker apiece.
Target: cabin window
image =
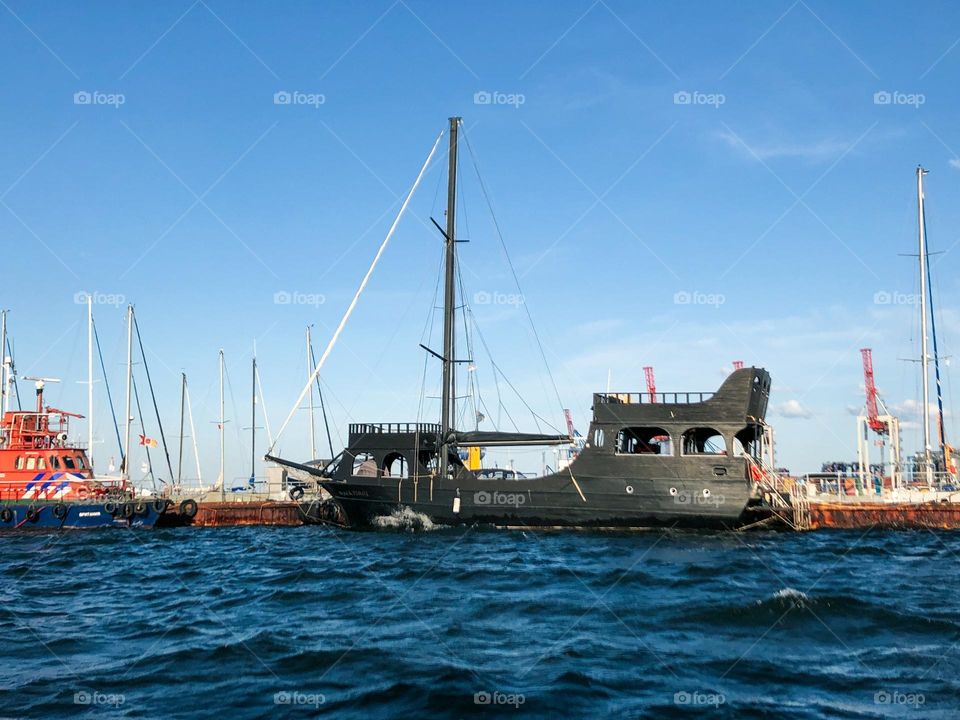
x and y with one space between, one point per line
54 462
395 465
68 461
598 437
31 463
41 464
703 441
748 442
18 463
364 465
80 463
644 441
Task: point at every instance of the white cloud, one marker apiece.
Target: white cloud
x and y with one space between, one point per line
955 162
792 409
817 150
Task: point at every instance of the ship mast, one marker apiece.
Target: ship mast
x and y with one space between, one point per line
313 432
448 397
4 391
183 399
253 422
90 380
223 479
126 440
924 355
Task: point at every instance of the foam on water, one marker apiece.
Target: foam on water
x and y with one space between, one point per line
405 519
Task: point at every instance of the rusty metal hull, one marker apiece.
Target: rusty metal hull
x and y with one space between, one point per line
943 515
234 514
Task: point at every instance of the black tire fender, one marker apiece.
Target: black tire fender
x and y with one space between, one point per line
188 508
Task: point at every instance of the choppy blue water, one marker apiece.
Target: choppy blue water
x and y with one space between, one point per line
260 622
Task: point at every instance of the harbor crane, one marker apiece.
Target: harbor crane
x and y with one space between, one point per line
885 425
651 383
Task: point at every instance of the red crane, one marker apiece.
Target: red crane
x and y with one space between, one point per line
878 426
651 383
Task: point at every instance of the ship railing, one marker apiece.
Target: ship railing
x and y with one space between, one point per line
641 398
394 428
906 486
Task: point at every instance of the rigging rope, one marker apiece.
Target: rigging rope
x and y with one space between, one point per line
106 383
356 297
156 410
513 272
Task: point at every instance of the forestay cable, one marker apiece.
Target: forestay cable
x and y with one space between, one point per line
356 297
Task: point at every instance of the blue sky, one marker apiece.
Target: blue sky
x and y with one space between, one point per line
778 199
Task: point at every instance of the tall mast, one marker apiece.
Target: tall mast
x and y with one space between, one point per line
313 433
90 380
223 479
183 398
924 355
448 396
253 424
4 391
126 426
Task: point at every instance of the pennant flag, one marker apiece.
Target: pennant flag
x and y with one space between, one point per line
149 442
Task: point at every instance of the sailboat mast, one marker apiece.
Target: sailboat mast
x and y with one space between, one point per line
183 398
253 425
5 391
313 432
90 380
126 425
223 479
448 395
924 354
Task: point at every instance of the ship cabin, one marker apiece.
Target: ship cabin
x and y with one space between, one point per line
726 424
32 443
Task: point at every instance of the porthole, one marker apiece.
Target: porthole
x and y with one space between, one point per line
673 491
706 492
629 489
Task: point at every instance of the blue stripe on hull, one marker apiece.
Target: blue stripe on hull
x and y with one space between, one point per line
79 515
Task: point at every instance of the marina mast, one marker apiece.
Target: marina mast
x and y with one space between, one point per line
924 354
126 426
448 397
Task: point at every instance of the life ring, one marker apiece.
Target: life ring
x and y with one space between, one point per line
6 515
127 510
188 508
59 511
296 493
33 515
140 508
110 507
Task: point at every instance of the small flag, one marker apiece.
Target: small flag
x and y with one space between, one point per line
149 442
